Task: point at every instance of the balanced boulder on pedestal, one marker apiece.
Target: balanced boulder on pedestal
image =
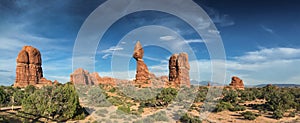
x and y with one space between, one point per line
142 76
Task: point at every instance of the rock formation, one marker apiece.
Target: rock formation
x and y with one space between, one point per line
236 83
82 77
29 68
142 76
179 70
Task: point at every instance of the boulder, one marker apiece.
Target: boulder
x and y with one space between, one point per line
236 83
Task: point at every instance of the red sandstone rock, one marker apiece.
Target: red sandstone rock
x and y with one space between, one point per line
29 67
82 77
107 81
236 83
142 73
179 70
56 82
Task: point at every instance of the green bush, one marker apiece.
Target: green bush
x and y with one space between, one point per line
237 108
222 106
277 114
247 95
230 96
166 96
4 98
112 90
124 108
59 103
249 115
98 97
188 119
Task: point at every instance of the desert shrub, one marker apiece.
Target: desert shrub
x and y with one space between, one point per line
230 96
238 108
115 101
201 94
189 119
166 96
222 106
29 89
97 97
247 95
124 108
59 103
157 117
160 116
18 97
258 92
292 114
4 98
277 114
112 90
249 115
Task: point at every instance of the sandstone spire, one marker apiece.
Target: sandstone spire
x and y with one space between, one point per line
29 68
142 72
179 70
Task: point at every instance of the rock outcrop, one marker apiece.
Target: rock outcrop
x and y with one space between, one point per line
29 68
236 83
179 70
142 73
82 77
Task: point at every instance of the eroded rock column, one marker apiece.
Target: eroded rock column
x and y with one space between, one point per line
142 73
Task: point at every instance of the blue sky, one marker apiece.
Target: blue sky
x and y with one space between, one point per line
261 38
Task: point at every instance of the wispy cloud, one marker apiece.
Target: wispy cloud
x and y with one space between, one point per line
167 38
267 29
4 71
112 49
262 55
108 52
218 18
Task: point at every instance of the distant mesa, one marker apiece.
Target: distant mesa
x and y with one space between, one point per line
29 68
237 83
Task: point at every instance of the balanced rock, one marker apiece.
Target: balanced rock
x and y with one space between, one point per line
29 68
236 83
179 70
142 73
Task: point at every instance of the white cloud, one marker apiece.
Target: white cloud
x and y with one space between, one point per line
112 49
167 38
108 52
194 41
270 54
105 56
